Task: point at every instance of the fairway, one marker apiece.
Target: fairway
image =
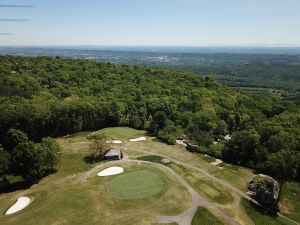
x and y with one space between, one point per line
123 133
136 184
139 195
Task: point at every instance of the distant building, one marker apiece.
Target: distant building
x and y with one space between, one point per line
114 154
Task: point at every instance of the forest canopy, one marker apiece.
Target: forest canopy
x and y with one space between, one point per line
47 96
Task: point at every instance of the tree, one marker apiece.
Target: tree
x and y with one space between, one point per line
99 145
27 162
284 165
282 141
243 148
115 113
267 129
203 138
13 138
50 151
158 121
169 134
221 127
205 121
4 165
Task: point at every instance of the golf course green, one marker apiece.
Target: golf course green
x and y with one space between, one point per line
136 184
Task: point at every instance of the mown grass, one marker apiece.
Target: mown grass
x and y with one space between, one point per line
235 178
62 198
204 217
151 158
122 133
206 187
289 202
215 193
260 216
208 159
235 175
137 184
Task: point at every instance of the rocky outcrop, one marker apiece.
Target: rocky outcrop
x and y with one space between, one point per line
191 147
264 189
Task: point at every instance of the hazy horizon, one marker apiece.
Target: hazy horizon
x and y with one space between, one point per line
190 23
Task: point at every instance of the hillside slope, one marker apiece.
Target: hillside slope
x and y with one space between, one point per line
52 97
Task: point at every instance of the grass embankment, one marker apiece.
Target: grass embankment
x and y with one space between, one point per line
216 193
204 217
260 216
289 202
151 158
237 176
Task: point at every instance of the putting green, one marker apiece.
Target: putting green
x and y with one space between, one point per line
136 184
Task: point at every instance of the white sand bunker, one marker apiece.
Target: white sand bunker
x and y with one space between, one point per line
181 142
111 171
217 162
19 205
138 139
114 142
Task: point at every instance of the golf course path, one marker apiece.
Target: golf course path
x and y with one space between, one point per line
85 175
197 200
220 181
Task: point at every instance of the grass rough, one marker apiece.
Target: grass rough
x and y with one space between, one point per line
151 158
261 217
289 202
204 217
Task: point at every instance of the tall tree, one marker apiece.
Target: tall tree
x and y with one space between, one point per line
13 138
50 151
4 165
99 145
243 148
284 165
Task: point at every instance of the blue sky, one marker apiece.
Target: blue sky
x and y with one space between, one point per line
152 22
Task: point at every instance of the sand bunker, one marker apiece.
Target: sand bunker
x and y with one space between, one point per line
114 142
180 142
19 205
111 171
138 139
217 162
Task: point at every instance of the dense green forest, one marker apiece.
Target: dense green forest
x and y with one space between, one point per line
47 96
258 70
276 76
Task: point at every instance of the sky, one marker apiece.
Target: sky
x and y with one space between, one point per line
151 22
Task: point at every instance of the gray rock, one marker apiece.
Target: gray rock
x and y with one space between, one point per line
264 189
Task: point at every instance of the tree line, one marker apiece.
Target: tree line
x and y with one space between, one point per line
47 96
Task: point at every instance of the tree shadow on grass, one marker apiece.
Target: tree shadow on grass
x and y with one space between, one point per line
270 211
20 185
91 160
11 186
